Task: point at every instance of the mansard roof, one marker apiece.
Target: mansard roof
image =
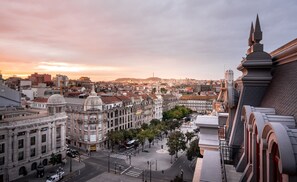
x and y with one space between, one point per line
281 93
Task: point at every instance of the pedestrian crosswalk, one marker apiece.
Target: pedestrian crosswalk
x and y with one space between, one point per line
134 172
118 156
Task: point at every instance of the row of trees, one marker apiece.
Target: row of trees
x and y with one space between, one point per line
146 132
178 112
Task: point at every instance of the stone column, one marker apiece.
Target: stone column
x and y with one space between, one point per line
49 139
54 138
63 136
38 142
15 148
9 151
27 145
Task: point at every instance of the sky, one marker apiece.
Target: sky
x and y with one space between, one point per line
109 39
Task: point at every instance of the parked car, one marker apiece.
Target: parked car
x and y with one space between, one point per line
53 178
70 154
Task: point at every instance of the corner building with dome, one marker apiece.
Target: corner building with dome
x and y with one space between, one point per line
85 128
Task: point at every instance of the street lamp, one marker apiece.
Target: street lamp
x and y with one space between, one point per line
149 163
108 162
115 167
182 174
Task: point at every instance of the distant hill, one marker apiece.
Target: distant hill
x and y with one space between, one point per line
138 79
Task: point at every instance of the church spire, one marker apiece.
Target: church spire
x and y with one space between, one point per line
251 35
257 35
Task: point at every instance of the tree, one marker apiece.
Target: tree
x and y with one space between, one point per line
150 135
141 138
54 159
194 150
176 142
115 137
144 126
155 122
189 136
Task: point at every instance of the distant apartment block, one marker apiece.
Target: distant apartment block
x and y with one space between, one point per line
39 78
198 103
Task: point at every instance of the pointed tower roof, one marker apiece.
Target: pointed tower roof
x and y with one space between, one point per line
251 35
257 35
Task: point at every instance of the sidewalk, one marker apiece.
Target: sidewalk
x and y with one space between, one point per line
51 170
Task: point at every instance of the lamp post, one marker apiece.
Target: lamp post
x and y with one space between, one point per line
150 166
115 167
130 159
182 174
108 162
70 164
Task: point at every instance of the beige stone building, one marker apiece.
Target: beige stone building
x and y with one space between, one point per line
29 137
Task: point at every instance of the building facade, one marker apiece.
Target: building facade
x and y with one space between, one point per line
28 138
86 124
200 104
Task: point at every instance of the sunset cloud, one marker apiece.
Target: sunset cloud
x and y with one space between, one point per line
110 39
66 67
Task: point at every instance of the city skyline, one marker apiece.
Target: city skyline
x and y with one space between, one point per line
108 40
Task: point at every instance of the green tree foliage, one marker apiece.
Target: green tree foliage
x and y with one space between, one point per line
155 122
54 159
194 150
176 142
141 136
178 112
163 91
189 136
144 126
115 137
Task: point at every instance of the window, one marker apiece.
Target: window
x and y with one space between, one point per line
32 152
2 148
2 137
32 140
92 127
21 155
2 160
21 143
43 149
43 138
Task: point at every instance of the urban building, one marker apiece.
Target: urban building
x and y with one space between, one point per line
39 78
169 102
61 80
29 137
86 124
200 104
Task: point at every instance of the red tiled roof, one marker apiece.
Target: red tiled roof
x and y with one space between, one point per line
123 98
40 99
198 97
109 99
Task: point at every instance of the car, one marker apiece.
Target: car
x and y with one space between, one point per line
70 154
53 178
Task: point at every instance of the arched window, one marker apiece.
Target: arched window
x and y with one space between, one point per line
33 166
44 162
22 171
